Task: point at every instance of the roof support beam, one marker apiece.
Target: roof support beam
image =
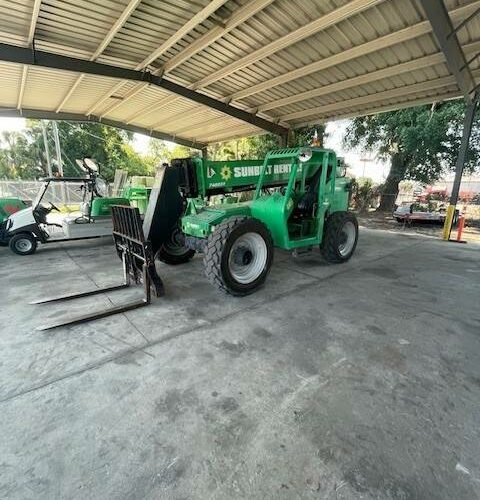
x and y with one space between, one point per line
226 134
30 37
351 8
50 115
202 125
194 21
135 91
390 71
151 108
22 86
240 15
191 113
21 55
446 81
389 40
127 12
33 22
443 29
198 18
382 108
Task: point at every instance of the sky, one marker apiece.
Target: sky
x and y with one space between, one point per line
361 164
11 124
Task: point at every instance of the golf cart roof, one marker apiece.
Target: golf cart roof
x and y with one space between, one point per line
66 179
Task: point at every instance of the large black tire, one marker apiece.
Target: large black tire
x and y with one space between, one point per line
238 255
340 236
23 243
174 251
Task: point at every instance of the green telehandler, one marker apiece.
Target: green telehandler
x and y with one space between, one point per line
294 199
300 200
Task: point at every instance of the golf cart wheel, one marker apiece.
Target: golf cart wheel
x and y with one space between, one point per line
174 251
340 236
23 244
238 255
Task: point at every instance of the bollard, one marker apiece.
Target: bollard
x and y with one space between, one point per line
461 225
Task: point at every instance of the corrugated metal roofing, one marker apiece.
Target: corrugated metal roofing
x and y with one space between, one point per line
291 61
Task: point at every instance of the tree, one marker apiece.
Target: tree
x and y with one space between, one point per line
421 143
23 153
257 146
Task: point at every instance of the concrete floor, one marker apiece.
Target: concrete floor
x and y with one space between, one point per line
338 382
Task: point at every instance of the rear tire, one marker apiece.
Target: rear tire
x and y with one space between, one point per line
238 255
340 236
174 251
23 244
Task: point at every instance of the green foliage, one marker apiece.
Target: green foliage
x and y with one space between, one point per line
23 154
257 146
364 194
19 158
422 143
426 138
160 153
305 136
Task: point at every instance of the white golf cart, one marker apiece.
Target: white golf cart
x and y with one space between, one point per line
23 230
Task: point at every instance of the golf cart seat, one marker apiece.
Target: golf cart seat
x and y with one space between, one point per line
79 219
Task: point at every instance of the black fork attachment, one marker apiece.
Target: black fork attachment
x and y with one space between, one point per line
138 267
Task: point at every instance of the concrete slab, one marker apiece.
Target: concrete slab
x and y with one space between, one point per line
351 381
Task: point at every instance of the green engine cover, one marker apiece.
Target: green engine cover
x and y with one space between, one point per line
101 207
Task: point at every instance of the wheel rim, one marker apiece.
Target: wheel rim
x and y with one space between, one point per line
247 258
23 245
176 244
347 238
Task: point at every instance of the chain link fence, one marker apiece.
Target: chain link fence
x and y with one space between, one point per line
58 193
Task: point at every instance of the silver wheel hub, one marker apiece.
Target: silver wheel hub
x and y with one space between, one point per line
247 258
347 238
23 245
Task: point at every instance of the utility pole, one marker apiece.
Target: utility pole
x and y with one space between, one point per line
58 153
47 151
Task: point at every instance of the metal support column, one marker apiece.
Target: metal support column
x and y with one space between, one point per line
462 154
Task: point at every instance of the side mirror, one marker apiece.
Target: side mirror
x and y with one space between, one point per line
341 168
341 171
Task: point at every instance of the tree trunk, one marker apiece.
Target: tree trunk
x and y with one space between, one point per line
390 187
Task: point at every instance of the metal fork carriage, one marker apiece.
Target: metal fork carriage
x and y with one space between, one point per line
138 267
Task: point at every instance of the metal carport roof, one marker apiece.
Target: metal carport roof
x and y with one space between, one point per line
202 71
